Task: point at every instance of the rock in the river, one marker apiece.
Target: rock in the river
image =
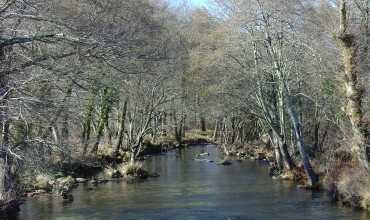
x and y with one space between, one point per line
36 193
63 185
200 159
142 174
81 180
98 181
110 172
43 182
225 163
203 154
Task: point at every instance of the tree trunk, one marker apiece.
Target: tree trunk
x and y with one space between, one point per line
87 123
278 156
8 186
215 131
103 119
313 178
354 92
121 129
164 123
203 123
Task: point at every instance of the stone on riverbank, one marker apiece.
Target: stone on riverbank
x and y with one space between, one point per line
81 180
203 154
224 163
63 185
36 193
43 182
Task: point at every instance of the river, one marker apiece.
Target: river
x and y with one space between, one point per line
192 190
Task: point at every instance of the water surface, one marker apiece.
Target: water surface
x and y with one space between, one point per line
193 190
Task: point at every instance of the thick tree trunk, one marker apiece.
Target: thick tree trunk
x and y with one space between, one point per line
8 186
178 127
354 92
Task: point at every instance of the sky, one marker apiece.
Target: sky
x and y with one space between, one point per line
196 3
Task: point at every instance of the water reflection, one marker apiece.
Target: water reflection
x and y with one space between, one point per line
189 189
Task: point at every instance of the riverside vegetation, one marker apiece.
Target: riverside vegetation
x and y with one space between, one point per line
89 88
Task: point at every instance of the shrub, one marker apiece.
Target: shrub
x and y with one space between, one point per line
133 169
348 182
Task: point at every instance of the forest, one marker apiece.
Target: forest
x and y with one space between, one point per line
89 86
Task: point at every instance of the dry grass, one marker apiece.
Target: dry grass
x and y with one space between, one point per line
131 169
348 182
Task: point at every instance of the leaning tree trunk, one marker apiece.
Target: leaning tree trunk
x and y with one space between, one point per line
103 119
354 92
313 178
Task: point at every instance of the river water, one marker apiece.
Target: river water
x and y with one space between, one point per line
192 190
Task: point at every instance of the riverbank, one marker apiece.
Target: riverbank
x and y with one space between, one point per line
192 189
101 168
343 180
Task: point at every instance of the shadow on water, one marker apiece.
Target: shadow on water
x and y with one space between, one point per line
191 189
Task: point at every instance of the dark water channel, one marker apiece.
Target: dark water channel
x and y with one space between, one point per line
192 190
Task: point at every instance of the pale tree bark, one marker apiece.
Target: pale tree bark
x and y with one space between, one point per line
354 92
103 118
7 177
286 99
274 116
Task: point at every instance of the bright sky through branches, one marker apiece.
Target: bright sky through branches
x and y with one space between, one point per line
197 3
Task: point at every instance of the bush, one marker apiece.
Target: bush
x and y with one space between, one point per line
133 169
348 182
